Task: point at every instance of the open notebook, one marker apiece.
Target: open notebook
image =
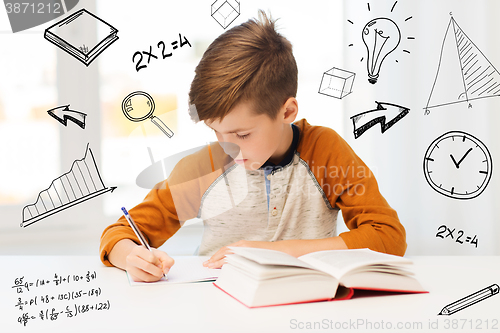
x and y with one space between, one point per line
186 269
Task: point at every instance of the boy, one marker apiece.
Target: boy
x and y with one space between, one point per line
280 189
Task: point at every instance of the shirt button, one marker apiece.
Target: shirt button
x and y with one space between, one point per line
269 177
274 212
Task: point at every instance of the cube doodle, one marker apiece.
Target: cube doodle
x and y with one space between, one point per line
336 83
225 11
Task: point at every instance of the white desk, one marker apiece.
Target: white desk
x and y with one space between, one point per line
201 307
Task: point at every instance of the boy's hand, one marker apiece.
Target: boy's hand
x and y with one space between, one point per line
147 266
219 258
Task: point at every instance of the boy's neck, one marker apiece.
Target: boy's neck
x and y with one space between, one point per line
284 147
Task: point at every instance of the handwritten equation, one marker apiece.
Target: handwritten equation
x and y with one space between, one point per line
448 232
76 294
141 56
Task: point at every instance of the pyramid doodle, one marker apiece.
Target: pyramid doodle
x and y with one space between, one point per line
464 73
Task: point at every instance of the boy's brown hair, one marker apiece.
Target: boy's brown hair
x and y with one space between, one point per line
248 63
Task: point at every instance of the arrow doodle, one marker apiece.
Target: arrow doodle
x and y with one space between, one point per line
62 114
383 112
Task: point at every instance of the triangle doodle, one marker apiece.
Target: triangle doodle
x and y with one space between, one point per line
469 75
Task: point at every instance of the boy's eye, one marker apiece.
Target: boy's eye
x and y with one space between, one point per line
242 136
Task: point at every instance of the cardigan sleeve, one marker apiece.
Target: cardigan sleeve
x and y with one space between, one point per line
350 186
171 202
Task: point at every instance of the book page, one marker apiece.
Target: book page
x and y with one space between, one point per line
269 257
185 269
263 272
339 262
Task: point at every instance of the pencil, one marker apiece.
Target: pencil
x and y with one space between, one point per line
470 300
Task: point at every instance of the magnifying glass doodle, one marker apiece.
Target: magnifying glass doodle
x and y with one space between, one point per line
139 106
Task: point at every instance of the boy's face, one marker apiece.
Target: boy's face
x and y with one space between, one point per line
259 137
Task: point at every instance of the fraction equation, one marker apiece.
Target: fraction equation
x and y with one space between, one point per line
143 58
62 295
70 311
21 285
46 299
445 232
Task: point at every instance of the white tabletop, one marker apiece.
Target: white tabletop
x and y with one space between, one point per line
201 307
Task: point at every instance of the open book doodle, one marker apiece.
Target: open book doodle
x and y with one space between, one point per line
261 277
72 37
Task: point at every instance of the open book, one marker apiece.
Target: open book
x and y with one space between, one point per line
261 277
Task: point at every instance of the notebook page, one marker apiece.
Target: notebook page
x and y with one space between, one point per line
185 269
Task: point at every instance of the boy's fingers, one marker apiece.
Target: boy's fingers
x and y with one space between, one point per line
217 264
148 256
215 257
166 261
145 266
138 261
218 259
139 275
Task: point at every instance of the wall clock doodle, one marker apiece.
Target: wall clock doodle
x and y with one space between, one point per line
458 165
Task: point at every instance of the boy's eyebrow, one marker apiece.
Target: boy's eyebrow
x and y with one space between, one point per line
233 131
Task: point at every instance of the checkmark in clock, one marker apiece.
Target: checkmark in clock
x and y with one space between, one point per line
457 164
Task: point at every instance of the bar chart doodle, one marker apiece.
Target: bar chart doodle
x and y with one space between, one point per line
62 114
464 73
81 183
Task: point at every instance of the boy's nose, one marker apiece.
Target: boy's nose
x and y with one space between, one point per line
231 149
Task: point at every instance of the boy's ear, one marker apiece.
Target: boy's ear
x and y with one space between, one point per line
291 109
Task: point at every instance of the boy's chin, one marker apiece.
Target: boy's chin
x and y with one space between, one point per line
247 164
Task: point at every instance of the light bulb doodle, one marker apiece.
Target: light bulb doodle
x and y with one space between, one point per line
381 36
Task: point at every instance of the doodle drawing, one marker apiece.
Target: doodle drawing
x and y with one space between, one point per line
464 73
225 11
337 83
80 45
81 183
381 114
381 36
458 165
469 300
62 114
139 106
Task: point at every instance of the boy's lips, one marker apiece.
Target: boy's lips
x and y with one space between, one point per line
240 161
